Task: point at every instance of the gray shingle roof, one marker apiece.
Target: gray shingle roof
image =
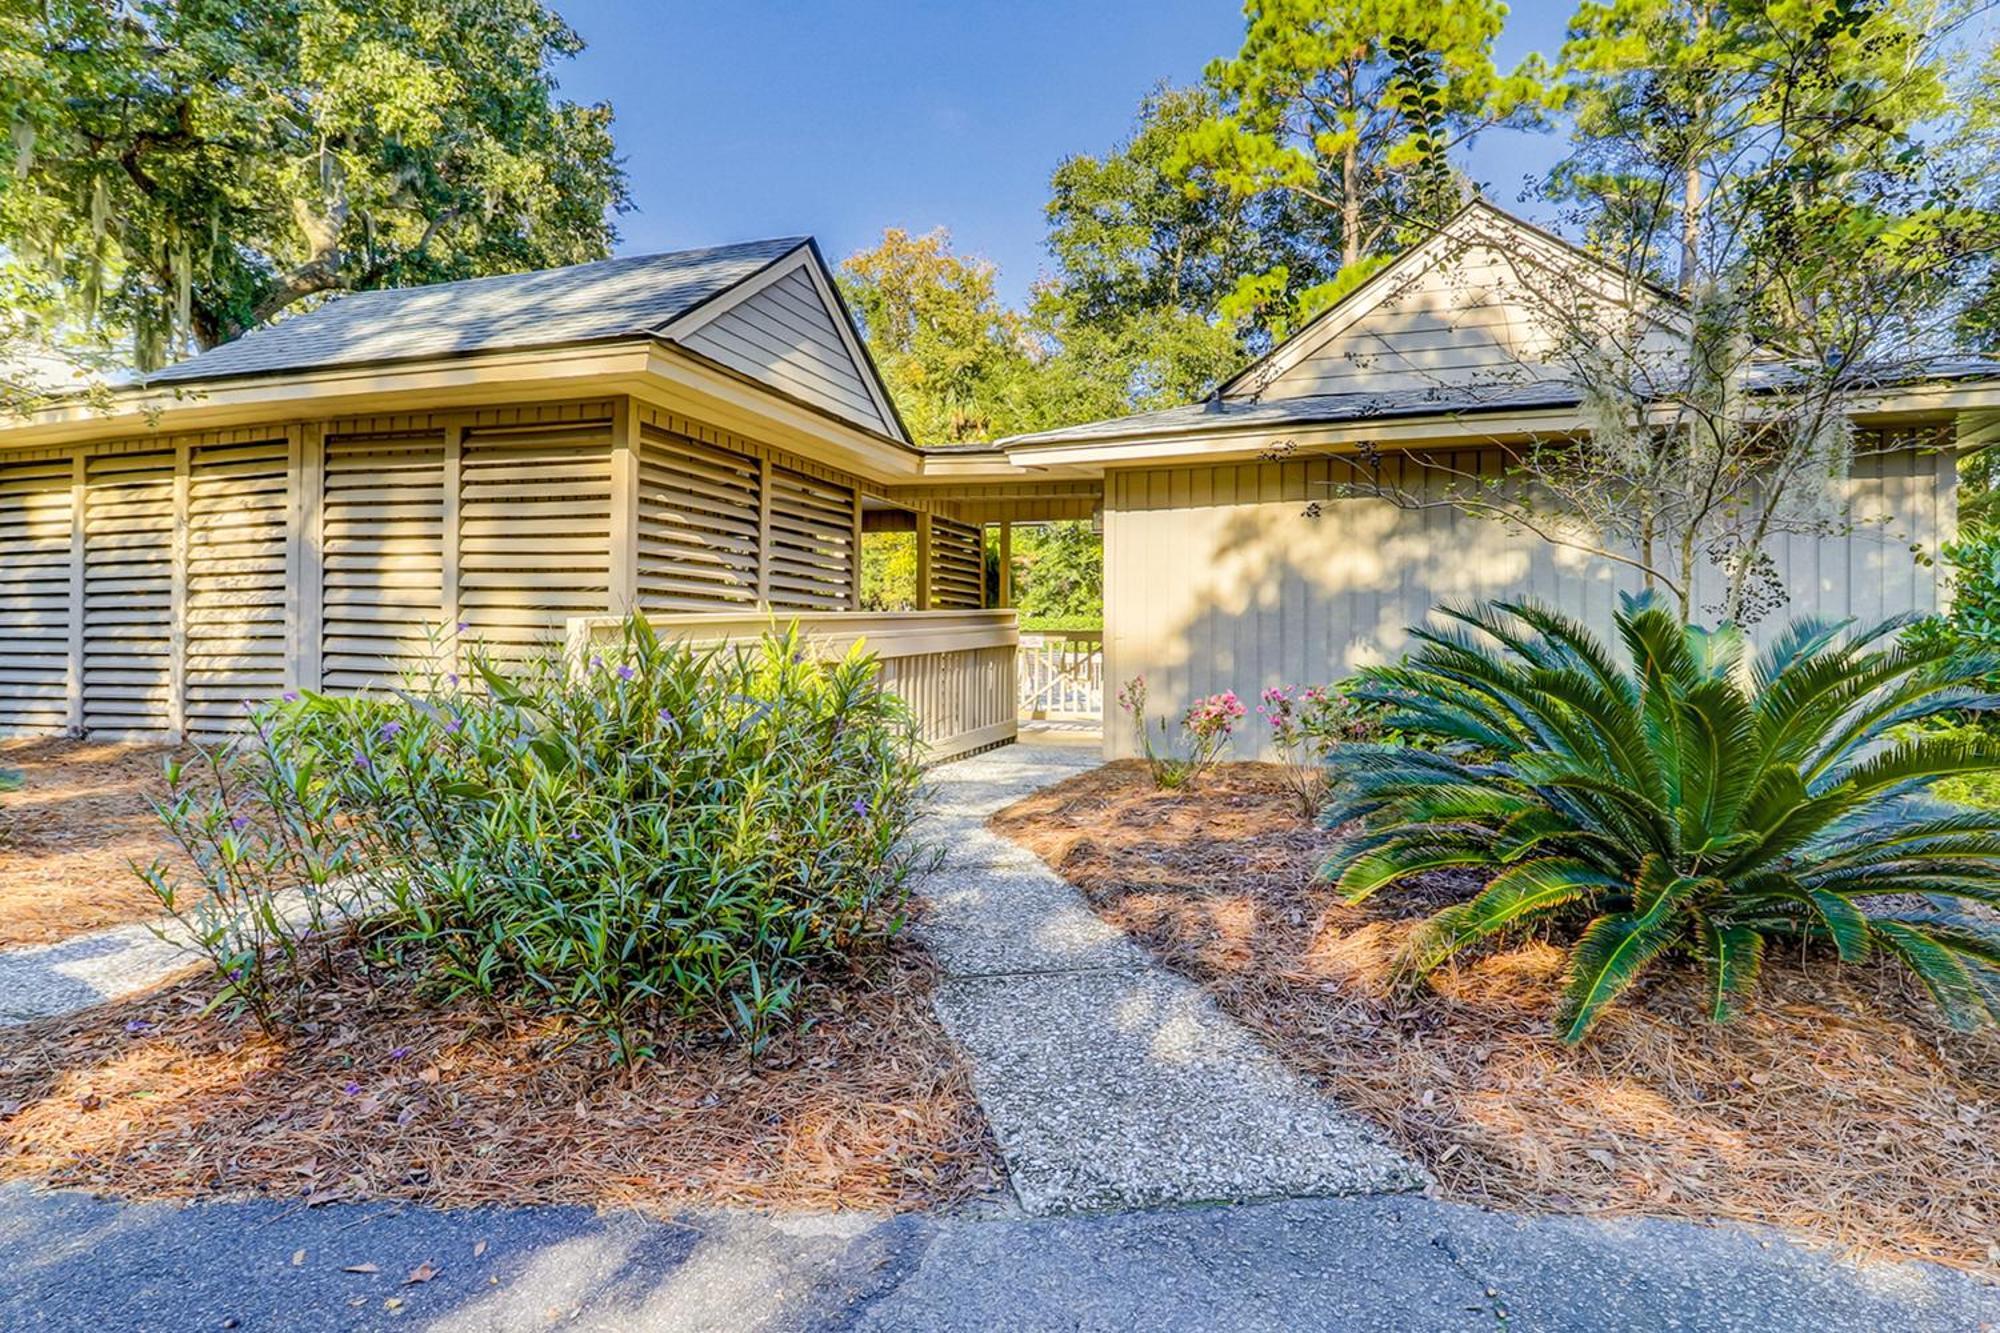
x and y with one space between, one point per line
1311 410
611 298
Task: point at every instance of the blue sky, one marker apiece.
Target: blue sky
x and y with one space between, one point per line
748 119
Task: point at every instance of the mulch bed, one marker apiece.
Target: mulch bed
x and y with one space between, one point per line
69 836
376 1093
1838 1107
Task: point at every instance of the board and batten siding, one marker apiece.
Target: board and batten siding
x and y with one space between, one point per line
1216 579
150 588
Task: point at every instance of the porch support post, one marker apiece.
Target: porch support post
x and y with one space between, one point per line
624 507
1006 565
923 562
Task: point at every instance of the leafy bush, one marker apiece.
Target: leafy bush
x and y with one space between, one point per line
1205 730
1695 802
671 834
1306 723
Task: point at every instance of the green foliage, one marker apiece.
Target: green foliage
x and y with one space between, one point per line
1355 106
188 171
888 571
1692 802
1059 575
663 835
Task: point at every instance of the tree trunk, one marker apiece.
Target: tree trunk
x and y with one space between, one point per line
1350 206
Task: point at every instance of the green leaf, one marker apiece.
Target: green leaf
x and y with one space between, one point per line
1516 893
1734 954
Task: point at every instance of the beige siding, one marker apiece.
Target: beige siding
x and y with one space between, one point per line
1215 579
785 336
35 531
814 542
239 505
957 565
535 536
129 554
1484 315
382 558
698 524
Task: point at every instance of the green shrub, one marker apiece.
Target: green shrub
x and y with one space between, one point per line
1695 802
664 834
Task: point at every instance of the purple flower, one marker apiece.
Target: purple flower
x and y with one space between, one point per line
861 805
452 727
626 673
137 1026
464 625
351 1089
390 730
240 823
451 678
666 717
399 1052
361 760
596 663
290 696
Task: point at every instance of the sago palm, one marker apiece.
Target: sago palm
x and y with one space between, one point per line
1695 801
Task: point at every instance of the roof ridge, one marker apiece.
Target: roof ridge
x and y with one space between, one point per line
692 252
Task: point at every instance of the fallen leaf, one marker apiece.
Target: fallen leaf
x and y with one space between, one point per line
298 1257
423 1272
478 1248
361 1268
393 1303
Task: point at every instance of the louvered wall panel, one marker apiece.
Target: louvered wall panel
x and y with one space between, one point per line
697 525
812 543
535 547
35 522
128 592
382 559
958 566
238 503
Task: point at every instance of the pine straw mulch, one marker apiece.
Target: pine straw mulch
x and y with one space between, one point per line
70 833
1838 1107
379 1094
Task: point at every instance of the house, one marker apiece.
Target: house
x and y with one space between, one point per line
329 501
702 434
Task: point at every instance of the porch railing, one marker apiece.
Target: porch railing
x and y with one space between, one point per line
1062 674
956 668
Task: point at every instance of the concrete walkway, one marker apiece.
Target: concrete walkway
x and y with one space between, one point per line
1110 1082
1385 1264
76 973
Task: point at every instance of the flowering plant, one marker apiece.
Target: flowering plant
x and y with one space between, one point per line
1306 723
1206 727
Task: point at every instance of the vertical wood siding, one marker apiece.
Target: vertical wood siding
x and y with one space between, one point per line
1215 579
35 529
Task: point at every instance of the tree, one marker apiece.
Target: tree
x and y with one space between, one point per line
1355 106
952 354
1798 174
1060 574
1144 262
186 171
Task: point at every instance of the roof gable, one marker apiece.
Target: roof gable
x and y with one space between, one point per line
1485 302
788 328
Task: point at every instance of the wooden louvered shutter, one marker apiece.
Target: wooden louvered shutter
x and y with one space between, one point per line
238 506
382 559
35 523
958 566
535 544
128 540
697 525
812 543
